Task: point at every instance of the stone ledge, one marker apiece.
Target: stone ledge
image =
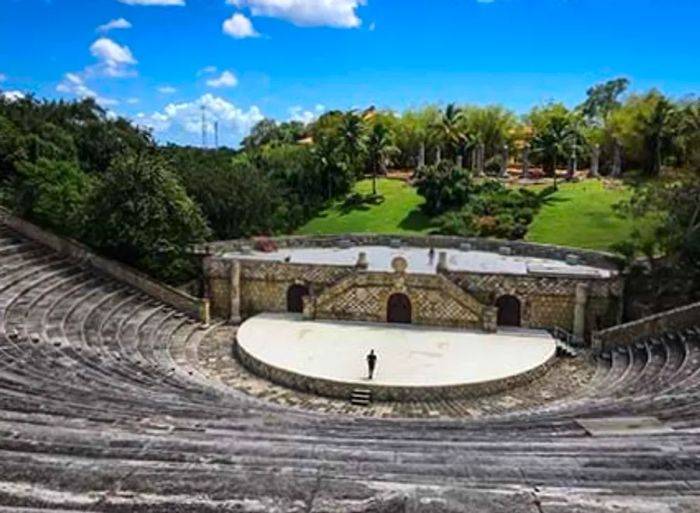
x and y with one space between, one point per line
647 327
195 307
517 248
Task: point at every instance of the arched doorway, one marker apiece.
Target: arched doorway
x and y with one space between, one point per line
295 298
398 309
508 311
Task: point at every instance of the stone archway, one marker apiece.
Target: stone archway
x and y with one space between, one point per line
509 311
398 309
295 298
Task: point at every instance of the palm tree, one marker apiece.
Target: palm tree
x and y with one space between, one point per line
448 129
657 130
558 138
352 139
687 131
379 148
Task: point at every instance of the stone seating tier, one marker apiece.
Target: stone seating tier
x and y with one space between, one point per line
107 403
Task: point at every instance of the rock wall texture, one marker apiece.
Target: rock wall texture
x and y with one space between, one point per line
434 300
462 299
647 328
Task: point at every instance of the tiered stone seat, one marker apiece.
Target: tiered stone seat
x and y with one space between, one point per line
105 405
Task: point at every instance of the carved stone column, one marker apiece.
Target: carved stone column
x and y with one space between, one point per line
595 161
442 262
617 161
235 292
504 163
421 155
526 161
579 328
481 159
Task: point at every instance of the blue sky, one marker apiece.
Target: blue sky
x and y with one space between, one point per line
244 59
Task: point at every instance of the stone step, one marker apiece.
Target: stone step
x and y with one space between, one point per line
361 397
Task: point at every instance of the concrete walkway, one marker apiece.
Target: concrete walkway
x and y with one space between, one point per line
408 355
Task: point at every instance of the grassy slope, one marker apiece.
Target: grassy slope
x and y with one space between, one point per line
579 215
399 213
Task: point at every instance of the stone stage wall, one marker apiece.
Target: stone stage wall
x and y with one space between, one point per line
239 289
549 301
384 393
435 301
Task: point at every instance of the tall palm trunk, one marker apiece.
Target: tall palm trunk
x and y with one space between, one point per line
374 178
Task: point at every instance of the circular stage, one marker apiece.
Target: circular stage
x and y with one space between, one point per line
414 362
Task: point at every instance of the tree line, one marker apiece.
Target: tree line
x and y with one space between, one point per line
75 169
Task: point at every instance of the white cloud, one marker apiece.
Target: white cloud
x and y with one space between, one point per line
133 101
158 122
75 84
12 96
112 53
165 3
187 117
114 58
119 23
331 13
167 90
298 113
227 79
208 70
239 27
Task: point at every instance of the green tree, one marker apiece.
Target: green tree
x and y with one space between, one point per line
140 214
380 148
603 99
352 140
449 131
52 193
645 127
556 134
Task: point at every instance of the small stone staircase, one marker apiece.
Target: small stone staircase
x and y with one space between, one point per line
567 343
361 397
565 349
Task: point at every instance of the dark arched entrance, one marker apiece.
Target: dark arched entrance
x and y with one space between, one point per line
398 309
295 298
508 311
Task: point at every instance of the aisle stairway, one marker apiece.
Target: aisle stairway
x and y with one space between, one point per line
96 415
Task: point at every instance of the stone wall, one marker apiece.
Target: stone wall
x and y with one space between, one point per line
381 393
648 327
593 258
548 301
435 300
193 306
263 284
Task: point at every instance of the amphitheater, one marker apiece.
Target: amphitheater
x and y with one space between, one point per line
120 395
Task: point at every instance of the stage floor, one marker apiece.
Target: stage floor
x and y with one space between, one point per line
408 355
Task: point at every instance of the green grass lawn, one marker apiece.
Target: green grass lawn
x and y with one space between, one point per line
399 213
579 215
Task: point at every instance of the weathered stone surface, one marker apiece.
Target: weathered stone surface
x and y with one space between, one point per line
547 301
141 410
